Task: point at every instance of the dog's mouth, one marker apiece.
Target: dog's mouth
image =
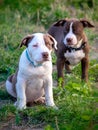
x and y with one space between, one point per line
43 60
46 59
71 44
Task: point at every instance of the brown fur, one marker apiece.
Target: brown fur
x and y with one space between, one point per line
13 79
58 30
48 41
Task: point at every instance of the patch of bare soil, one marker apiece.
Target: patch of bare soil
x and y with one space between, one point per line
11 126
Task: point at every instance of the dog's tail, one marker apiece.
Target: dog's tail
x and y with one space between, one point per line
10 87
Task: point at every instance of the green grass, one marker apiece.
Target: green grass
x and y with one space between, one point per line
77 110
77 101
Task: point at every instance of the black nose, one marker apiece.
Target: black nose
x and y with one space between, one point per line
69 40
45 54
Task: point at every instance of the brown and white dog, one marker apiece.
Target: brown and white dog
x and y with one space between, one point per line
33 78
72 44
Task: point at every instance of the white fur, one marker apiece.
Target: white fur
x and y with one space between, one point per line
71 35
10 89
34 82
36 52
74 57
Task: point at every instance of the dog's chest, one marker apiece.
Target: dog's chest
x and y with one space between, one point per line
34 89
74 57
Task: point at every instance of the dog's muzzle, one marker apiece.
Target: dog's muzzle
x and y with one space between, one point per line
45 56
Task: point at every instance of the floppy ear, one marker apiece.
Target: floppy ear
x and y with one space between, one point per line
60 22
86 23
26 40
53 40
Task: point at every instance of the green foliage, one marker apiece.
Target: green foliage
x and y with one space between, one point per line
18 119
76 111
48 127
93 71
6 111
4 95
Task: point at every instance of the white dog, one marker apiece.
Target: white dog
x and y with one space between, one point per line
33 78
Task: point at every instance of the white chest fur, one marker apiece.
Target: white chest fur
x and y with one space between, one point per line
74 57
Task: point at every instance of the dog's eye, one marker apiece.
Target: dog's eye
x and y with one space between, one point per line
36 45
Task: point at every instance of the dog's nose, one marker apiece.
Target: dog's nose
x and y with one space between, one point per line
69 40
45 54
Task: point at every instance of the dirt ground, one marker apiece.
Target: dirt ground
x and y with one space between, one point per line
11 126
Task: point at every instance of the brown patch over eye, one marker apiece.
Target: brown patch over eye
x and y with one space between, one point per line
77 28
48 42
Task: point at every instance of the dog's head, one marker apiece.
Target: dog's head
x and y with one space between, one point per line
73 30
39 46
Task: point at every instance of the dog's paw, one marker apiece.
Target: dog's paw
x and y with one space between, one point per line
55 107
20 106
41 100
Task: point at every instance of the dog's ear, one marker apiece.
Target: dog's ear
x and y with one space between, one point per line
60 22
53 40
86 23
26 40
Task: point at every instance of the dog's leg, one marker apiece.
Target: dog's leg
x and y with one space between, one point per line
84 66
49 92
60 68
67 68
21 97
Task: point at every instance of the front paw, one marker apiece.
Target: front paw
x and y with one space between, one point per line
52 105
20 106
55 107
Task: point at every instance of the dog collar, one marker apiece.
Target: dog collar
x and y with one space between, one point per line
32 62
75 49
